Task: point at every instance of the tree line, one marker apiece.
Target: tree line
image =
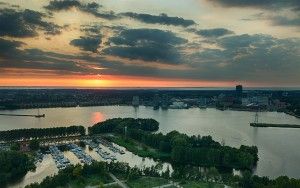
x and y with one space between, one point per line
38 133
197 150
79 174
118 125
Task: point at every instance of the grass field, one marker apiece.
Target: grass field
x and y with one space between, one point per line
196 184
139 148
147 182
90 181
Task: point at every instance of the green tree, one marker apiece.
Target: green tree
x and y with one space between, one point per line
15 146
77 171
34 145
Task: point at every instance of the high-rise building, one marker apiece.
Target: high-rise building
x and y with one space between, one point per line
239 90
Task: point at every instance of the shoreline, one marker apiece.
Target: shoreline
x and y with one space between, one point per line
74 106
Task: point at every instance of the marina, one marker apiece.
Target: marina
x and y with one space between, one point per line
97 148
80 154
110 146
60 160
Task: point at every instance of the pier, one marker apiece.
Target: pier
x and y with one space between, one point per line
25 115
274 125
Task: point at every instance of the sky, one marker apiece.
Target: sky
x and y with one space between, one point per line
150 43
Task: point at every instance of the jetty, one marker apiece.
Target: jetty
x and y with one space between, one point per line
257 124
274 125
25 115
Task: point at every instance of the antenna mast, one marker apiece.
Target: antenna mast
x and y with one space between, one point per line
256 117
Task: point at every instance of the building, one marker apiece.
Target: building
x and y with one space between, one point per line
165 101
260 100
156 102
239 90
24 146
135 101
246 101
178 105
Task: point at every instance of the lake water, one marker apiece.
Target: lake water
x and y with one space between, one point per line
278 148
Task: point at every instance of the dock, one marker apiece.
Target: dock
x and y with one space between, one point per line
274 125
24 115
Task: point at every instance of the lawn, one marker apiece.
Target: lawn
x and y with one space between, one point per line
113 186
138 148
196 184
147 182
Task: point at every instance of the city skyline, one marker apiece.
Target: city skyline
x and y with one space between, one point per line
187 43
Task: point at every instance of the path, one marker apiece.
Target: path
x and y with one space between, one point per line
116 181
123 185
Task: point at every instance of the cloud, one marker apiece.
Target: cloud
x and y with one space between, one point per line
96 28
35 59
251 58
216 32
89 8
256 58
291 19
147 44
163 19
25 23
265 4
8 47
89 43
58 5
285 21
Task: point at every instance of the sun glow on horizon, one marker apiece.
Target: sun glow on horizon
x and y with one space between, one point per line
105 81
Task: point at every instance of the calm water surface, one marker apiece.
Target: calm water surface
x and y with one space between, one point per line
279 150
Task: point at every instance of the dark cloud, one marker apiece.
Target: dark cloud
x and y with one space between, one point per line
12 57
25 23
147 44
216 32
8 47
265 4
57 5
160 19
96 28
257 58
135 37
90 8
88 43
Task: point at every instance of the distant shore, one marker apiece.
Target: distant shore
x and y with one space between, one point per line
113 104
